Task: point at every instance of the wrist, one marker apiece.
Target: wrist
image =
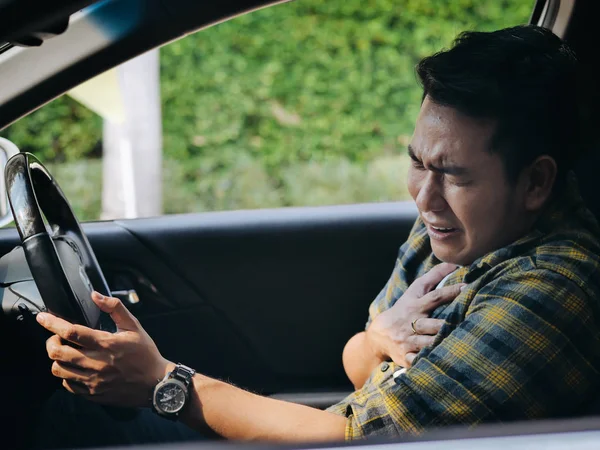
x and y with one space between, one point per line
373 346
160 371
166 367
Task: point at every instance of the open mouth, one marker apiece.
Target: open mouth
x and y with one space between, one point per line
441 232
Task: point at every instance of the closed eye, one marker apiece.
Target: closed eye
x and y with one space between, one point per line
445 170
459 182
418 164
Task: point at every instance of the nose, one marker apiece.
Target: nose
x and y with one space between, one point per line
430 196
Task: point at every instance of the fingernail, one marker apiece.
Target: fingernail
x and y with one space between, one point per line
41 318
463 287
98 295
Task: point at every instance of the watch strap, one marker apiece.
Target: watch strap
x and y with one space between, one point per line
182 373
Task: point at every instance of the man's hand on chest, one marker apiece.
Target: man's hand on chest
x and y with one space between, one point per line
400 332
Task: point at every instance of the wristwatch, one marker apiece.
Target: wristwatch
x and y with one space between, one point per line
172 392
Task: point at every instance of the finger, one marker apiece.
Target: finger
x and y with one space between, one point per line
410 357
75 388
81 390
76 334
418 342
440 296
428 326
86 359
118 312
61 370
431 279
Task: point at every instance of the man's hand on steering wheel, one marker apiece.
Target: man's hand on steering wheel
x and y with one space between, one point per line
400 332
118 368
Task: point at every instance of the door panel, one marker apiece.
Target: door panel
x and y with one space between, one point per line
265 299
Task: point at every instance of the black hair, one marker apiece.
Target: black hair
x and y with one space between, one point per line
525 78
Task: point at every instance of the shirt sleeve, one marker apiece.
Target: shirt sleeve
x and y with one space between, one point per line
527 348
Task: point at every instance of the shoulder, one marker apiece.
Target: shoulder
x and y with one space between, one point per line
549 294
574 256
563 259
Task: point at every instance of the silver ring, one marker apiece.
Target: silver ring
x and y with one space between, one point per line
413 325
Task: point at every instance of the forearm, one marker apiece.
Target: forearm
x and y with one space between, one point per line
237 414
359 360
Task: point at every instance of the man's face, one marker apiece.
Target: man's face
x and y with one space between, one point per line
460 187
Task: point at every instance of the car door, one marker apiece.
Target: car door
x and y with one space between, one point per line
265 299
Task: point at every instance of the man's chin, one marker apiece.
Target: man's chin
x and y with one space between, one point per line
450 255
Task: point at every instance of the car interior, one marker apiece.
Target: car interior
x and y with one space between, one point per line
265 299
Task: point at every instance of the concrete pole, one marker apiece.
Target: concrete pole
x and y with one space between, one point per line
132 150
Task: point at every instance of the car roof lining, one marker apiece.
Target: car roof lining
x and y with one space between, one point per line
23 21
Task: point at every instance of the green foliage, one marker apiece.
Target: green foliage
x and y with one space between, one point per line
247 185
63 130
282 95
312 79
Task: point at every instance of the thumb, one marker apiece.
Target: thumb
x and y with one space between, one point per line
124 320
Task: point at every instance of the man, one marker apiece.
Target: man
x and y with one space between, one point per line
491 152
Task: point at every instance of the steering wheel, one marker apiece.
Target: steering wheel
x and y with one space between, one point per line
60 258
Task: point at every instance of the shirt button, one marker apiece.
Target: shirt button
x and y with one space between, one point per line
385 366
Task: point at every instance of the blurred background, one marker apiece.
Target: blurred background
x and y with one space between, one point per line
306 103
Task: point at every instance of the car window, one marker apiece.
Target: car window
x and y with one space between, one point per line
304 103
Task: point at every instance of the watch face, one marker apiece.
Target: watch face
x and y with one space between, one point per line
170 397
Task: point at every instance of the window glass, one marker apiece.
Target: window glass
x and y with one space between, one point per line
306 103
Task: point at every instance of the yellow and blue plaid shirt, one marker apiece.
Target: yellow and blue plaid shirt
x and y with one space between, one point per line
522 341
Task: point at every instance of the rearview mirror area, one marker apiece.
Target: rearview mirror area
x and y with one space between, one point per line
7 150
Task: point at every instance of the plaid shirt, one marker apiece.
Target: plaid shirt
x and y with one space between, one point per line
520 342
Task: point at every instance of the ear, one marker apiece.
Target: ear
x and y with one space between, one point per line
540 177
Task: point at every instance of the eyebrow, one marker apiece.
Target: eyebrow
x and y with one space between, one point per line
447 169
